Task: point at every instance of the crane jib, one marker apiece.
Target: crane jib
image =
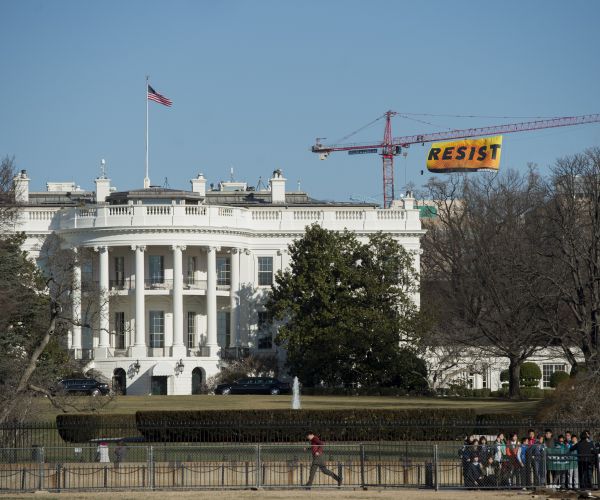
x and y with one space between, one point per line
391 146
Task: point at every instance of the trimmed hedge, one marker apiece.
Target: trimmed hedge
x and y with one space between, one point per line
279 426
558 377
83 427
530 375
253 426
357 391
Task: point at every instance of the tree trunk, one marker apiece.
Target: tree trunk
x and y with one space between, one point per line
514 376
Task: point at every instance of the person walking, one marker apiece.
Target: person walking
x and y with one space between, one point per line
318 461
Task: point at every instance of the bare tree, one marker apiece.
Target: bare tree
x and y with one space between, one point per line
33 327
480 265
571 231
8 206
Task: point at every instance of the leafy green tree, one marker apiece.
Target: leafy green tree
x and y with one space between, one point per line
345 306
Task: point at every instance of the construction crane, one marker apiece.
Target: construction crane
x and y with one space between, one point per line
392 146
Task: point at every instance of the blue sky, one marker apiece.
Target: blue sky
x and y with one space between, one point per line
254 82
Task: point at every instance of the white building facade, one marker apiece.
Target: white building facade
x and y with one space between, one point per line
168 284
177 279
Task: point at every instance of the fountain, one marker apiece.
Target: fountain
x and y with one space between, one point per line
296 395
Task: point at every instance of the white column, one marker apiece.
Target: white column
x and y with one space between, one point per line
139 347
76 307
178 349
103 323
234 296
211 302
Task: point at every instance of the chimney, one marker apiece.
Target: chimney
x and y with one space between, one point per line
102 184
277 183
199 185
409 201
102 189
21 186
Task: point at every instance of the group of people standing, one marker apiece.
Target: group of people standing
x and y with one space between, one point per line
565 461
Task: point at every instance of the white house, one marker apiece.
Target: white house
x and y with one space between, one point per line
179 277
182 274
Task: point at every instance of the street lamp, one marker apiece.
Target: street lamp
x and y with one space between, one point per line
179 366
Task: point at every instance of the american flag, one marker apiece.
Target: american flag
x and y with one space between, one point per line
153 95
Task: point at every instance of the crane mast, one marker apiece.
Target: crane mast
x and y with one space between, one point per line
391 146
387 154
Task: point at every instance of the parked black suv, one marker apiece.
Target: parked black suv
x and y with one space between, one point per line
87 386
254 385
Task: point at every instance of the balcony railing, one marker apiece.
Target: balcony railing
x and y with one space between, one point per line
122 284
158 284
194 284
234 353
201 351
334 217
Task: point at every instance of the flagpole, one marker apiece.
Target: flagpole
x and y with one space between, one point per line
146 178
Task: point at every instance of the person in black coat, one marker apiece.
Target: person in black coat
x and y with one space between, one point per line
586 458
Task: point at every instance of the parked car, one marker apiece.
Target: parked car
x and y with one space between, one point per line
254 385
89 386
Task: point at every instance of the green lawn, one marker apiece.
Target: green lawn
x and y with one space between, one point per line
130 404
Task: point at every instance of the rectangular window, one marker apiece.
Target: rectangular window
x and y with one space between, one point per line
156 268
264 334
87 276
548 370
157 329
223 329
119 330
119 272
191 270
485 381
223 271
191 330
265 271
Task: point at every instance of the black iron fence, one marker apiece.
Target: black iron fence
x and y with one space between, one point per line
358 465
48 434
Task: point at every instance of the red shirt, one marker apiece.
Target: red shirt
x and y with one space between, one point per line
316 446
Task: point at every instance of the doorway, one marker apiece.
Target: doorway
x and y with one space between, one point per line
197 381
119 381
159 386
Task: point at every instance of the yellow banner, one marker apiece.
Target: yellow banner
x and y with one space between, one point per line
468 155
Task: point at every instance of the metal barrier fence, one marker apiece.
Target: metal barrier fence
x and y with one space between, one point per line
25 435
361 465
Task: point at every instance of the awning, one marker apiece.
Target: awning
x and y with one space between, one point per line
163 369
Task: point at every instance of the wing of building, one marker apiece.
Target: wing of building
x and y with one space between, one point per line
182 275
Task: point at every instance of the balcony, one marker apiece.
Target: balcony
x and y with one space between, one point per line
249 219
190 283
200 352
158 284
234 353
122 284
